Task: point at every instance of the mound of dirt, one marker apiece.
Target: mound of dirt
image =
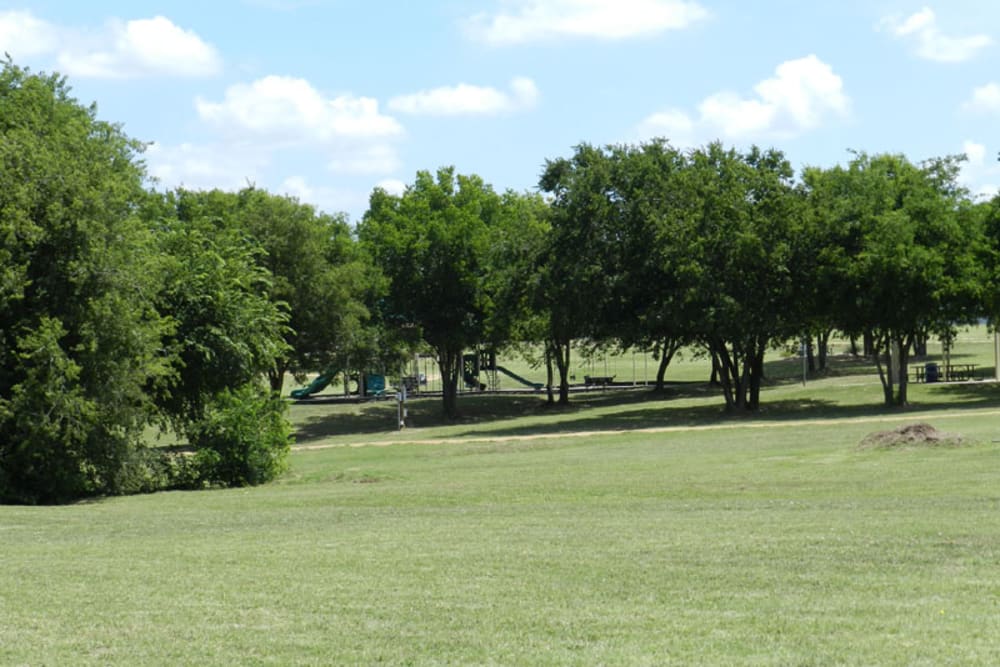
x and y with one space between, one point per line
910 435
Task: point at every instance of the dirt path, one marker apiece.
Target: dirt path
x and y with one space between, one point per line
727 426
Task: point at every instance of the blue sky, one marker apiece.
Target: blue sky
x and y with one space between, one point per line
326 99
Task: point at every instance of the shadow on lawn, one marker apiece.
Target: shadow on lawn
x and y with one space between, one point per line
483 415
653 415
316 421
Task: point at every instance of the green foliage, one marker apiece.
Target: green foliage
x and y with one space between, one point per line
244 437
652 248
573 287
227 331
112 310
316 270
52 430
899 247
745 222
79 338
431 244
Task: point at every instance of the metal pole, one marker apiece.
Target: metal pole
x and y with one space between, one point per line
996 355
805 364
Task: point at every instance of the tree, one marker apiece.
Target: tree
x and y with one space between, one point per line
316 271
650 257
573 285
744 222
902 247
516 250
227 335
79 337
431 243
226 331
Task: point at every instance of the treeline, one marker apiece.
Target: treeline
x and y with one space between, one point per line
653 248
124 310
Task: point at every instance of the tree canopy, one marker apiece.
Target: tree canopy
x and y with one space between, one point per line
431 243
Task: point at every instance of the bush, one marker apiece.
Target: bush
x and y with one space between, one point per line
244 437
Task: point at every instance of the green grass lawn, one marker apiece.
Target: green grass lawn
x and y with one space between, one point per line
640 530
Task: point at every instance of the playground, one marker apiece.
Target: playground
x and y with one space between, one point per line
486 372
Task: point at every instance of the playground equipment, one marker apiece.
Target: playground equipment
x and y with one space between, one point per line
321 382
371 385
474 364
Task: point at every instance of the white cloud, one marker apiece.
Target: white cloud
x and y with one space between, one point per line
674 124
984 99
286 109
23 35
204 167
536 20
142 47
465 99
801 96
922 30
393 186
975 152
122 49
278 112
979 174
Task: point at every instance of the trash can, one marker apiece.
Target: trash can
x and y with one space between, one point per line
931 372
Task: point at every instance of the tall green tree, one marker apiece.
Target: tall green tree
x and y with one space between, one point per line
226 331
431 243
903 244
316 270
79 337
744 222
573 284
516 250
651 258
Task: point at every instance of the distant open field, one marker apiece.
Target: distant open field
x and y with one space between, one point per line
626 529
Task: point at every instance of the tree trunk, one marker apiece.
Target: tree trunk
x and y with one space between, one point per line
822 347
810 355
741 374
668 349
276 376
450 365
562 350
892 349
548 374
869 343
854 346
724 368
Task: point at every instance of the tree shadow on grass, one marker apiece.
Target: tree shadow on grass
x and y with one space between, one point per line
663 414
317 421
484 414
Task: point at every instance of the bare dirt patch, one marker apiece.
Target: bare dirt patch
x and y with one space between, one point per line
911 435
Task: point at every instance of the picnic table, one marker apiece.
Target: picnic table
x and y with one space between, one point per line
598 380
959 372
949 373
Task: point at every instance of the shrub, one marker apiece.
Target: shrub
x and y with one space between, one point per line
244 437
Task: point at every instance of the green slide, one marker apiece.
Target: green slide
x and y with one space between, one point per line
514 376
316 386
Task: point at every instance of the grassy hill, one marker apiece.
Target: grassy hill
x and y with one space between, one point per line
628 529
